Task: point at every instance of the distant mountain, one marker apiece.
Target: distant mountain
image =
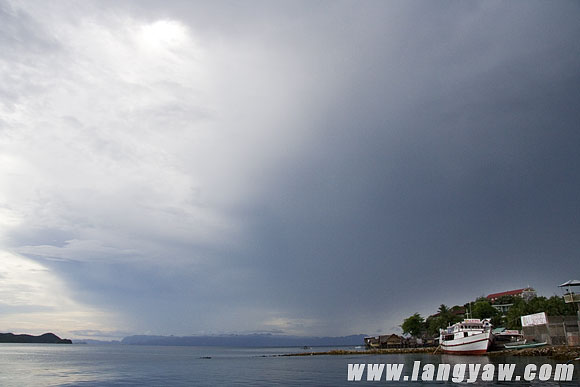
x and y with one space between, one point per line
252 340
47 338
96 342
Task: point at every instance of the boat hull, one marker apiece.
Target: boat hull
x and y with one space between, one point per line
523 346
469 352
471 345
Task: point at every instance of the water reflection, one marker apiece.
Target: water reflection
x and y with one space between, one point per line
73 365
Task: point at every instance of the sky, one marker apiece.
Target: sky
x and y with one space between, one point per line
305 168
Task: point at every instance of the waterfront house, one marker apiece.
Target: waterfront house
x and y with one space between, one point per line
372 341
386 341
393 341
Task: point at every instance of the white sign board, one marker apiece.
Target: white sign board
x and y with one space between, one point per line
534 319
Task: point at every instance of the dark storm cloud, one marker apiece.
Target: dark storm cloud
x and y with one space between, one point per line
447 171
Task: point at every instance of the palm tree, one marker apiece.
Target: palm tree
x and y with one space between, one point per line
444 314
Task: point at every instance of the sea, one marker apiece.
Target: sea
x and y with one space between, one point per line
132 365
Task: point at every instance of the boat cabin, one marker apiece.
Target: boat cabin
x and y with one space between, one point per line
466 328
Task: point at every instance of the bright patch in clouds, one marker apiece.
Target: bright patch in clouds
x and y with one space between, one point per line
164 34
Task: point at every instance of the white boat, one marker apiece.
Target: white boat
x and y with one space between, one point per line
469 337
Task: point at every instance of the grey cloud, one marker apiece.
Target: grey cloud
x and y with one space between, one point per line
100 334
354 161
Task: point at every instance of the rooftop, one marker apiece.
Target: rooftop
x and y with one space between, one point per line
508 293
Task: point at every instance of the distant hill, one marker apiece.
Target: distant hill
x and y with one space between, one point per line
96 342
47 338
253 340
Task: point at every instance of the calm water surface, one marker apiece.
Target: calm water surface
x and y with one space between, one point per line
121 365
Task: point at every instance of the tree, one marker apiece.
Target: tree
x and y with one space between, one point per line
483 309
555 306
503 300
443 319
457 314
498 320
445 313
514 313
413 325
433 325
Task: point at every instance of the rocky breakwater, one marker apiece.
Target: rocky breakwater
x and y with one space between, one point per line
558 352
365 352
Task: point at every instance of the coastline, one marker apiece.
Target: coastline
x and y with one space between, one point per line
556 352
559 352
365 352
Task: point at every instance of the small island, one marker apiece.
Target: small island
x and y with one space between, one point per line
47 338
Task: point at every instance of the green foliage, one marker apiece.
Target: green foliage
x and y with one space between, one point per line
433 325
497 320
503 300
553 306
513 315
483 309
444 318
414 325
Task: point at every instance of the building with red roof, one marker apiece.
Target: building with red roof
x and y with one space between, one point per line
525 293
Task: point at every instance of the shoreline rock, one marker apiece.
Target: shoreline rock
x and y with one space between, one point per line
555 352
365 352
558 352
